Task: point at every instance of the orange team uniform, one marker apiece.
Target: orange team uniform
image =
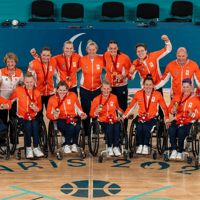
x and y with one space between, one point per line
62 71
9 83
178 74
157 99
108 109
91 72
5 101
70 106
23 101
151 65
37 71
122 66
192 103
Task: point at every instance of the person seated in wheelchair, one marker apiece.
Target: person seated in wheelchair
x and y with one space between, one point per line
104 107
5 104
28 100
66 109
148 101
186 108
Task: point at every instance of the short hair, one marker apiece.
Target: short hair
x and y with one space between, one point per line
68 42
106 82
140 45
11 56
187 80
62 83
29 75
45 49
90 43
148 78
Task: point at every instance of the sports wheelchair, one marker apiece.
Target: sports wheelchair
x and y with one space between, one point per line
56 142
16 131
4 145
158 131
191 142
95 130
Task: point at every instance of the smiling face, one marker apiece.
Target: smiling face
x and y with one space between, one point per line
10 64
106 89
112 48
181 57
187 89
68 50
91 49
141 52
29 83
62 91
45 56
148 86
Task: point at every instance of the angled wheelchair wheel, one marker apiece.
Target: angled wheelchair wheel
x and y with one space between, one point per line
43 137
132 138
4 148
12 135
161 136
51 137
81 138
195 138
93 137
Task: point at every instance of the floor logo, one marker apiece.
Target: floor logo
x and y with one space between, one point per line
100 188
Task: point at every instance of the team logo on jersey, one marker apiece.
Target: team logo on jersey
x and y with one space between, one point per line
190 105
23 95
151 64
74 64
98 66
153 99
63 65
143 68
42 70
68 101
187 72
176 72
86 67
108 61
6 79
142 99
117 65
111 103
50 68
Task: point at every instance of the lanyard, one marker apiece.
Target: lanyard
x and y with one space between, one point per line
105 101
45 77
114 63
68 68
181 103
147 108
31 99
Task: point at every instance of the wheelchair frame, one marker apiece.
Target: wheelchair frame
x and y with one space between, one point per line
54 133
5 152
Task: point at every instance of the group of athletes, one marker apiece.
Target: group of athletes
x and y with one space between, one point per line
106 101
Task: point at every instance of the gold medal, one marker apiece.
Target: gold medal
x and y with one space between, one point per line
133 67
100 107
147 114
115 73
1 107
57 111
68 78
176 104
32 104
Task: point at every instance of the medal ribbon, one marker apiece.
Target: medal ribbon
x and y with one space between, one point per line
31 99
68 68
60 102
114 63
147 108
45 77
179 103
100 103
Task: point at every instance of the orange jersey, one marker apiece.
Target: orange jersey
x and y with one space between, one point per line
192 103
157 99
91 72
178 74
23 101
62 71
5 101
108 109
9 83
122 66
151 65
37 71
70 106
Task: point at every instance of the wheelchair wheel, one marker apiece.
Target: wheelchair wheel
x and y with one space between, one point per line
195 139
161 136
132 138
12 134
51 137
81 138
123 137
93 137
43 137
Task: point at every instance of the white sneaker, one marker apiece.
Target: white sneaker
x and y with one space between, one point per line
66 149
139 150
62 139
37 152
173 155
179 157
3 148
110 151
116 151
74 148
29 152
145 150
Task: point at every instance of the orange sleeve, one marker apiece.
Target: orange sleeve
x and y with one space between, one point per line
39 101
50 109
6 101
121 112
78 105
95 104
171 105
14 95
127 66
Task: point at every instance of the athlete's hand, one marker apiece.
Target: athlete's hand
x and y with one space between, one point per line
35 109
119 77
83 115
33 52
97 111
173 110
5 106
168 124
56 115
120 118
189 113
165 38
